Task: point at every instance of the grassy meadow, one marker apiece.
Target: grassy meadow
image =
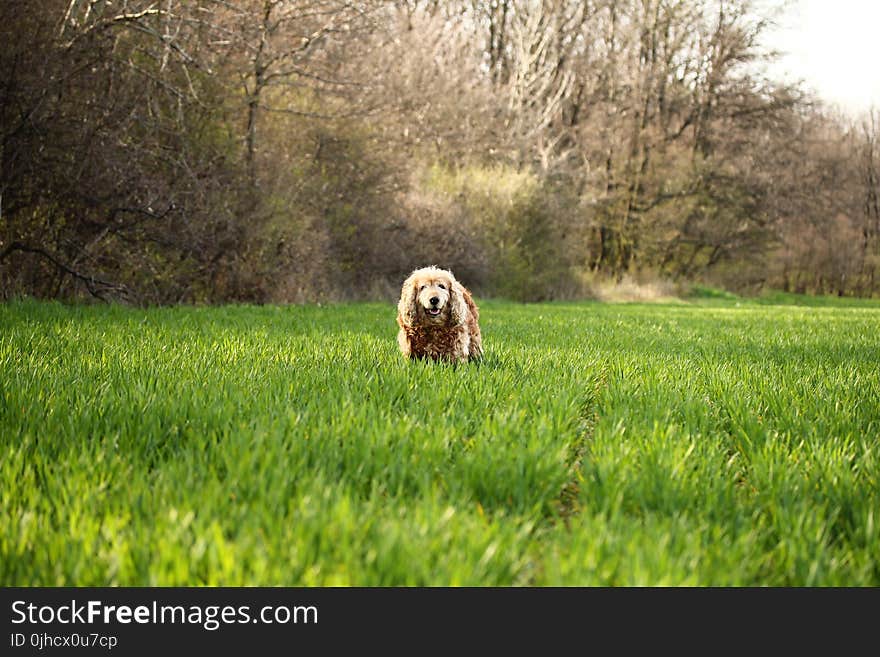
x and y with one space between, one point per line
710 442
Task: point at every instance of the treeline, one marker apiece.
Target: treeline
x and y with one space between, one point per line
273 150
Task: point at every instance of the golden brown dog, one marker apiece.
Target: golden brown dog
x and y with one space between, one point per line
438 319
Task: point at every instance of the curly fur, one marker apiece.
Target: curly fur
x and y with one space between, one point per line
438 319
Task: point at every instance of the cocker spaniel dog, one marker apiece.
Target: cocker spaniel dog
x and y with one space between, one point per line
438 319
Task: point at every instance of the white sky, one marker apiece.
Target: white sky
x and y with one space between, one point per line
834 47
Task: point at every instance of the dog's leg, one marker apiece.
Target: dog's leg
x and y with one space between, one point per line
403 343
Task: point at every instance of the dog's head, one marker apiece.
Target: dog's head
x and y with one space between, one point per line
432 296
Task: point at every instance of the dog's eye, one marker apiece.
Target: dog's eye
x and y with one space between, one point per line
441 286
422 287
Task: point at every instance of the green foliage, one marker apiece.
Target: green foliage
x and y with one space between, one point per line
515 218
780 298
500 185
341 185
707 292
596 444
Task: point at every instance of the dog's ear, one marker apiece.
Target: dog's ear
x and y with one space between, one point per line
406 307
458 303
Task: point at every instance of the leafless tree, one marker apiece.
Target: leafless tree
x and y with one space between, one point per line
163 151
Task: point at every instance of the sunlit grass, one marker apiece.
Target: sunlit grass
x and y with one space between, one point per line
713 443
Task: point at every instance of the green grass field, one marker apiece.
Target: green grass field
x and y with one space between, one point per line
716 442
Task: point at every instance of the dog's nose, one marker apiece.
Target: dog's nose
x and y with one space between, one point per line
434 301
